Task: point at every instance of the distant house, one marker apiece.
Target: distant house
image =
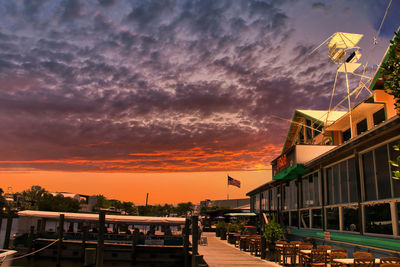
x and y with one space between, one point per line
87 202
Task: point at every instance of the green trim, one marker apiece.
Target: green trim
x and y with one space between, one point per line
378 72
357 239
291 173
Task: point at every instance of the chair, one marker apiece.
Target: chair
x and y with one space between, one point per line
338 250
389 265
362 255
364 262
289 251
390 260
338 255
318 258
323 247
296 242
304 257
279 250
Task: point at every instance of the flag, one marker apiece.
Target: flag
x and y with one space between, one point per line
234 182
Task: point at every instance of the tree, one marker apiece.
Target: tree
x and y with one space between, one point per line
184 208
58 203
102 202
2 200
129 208
31 197
391 76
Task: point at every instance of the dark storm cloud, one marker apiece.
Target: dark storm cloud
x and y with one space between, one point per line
133 85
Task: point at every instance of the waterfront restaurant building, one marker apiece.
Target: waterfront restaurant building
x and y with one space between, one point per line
336 182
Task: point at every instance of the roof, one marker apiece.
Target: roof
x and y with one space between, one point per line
322 114
109 218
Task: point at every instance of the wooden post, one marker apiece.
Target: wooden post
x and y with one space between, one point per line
135 241
60 237
8 230
186 242
100 240
263 246
30 238
195 240
85 234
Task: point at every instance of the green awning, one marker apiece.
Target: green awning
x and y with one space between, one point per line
291 173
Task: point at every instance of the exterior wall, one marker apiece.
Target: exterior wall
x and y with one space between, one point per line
382 97
305 153
231 203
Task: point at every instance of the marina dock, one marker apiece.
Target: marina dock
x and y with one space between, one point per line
219 253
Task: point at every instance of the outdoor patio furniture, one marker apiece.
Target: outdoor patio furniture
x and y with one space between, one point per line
337 255
364 262
390 265
318 258
279 249
362 255
390 260
289 252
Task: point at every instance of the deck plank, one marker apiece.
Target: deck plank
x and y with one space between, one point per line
219 253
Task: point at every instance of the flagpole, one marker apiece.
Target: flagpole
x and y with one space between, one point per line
227 188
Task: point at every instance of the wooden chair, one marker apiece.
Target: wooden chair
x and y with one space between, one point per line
318 258
337 255
364 262
289 252
339 250
362 255
304 257
279 250
323 247
389 265
296 242
390 260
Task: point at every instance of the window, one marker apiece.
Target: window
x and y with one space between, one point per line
332 218
336 185
316 218
329 186
285 217
351 163
393 156
301 135
346 135
379 116
362 126
294 218
378 219
304 219
316 189
350 219
382 172
304 193
369 176
398 216
308 131
257 203
343 182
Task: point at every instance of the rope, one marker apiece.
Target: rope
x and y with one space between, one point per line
32 253
380 27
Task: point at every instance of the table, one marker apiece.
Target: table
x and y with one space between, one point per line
350 261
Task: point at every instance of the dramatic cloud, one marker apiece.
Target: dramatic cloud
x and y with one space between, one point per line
154 86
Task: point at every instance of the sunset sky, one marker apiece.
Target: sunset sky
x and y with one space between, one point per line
121 98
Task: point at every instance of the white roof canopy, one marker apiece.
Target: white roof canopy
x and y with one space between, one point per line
344 40
69 216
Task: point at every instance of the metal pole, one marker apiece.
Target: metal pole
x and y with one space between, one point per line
100 240
348 100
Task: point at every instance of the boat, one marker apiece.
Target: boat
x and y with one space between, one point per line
6 257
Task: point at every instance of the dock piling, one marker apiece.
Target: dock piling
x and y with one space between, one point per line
8 229
85 234
60 238
195 240
186 242
100 240
135 241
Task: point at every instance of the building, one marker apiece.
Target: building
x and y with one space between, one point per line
334 181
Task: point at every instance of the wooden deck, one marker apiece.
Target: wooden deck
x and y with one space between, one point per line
219 253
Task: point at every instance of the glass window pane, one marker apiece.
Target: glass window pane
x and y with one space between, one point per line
343 182
316 189
285 216
350 219
378 219
329 186
393 156
398 216
304 219
294 218
317 218
311 191
379 116
332 218
362 126
369 176
304 192
351 164
346 135
336 184
382 172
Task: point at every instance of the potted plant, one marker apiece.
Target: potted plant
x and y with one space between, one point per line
272 232
221 229
232 229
